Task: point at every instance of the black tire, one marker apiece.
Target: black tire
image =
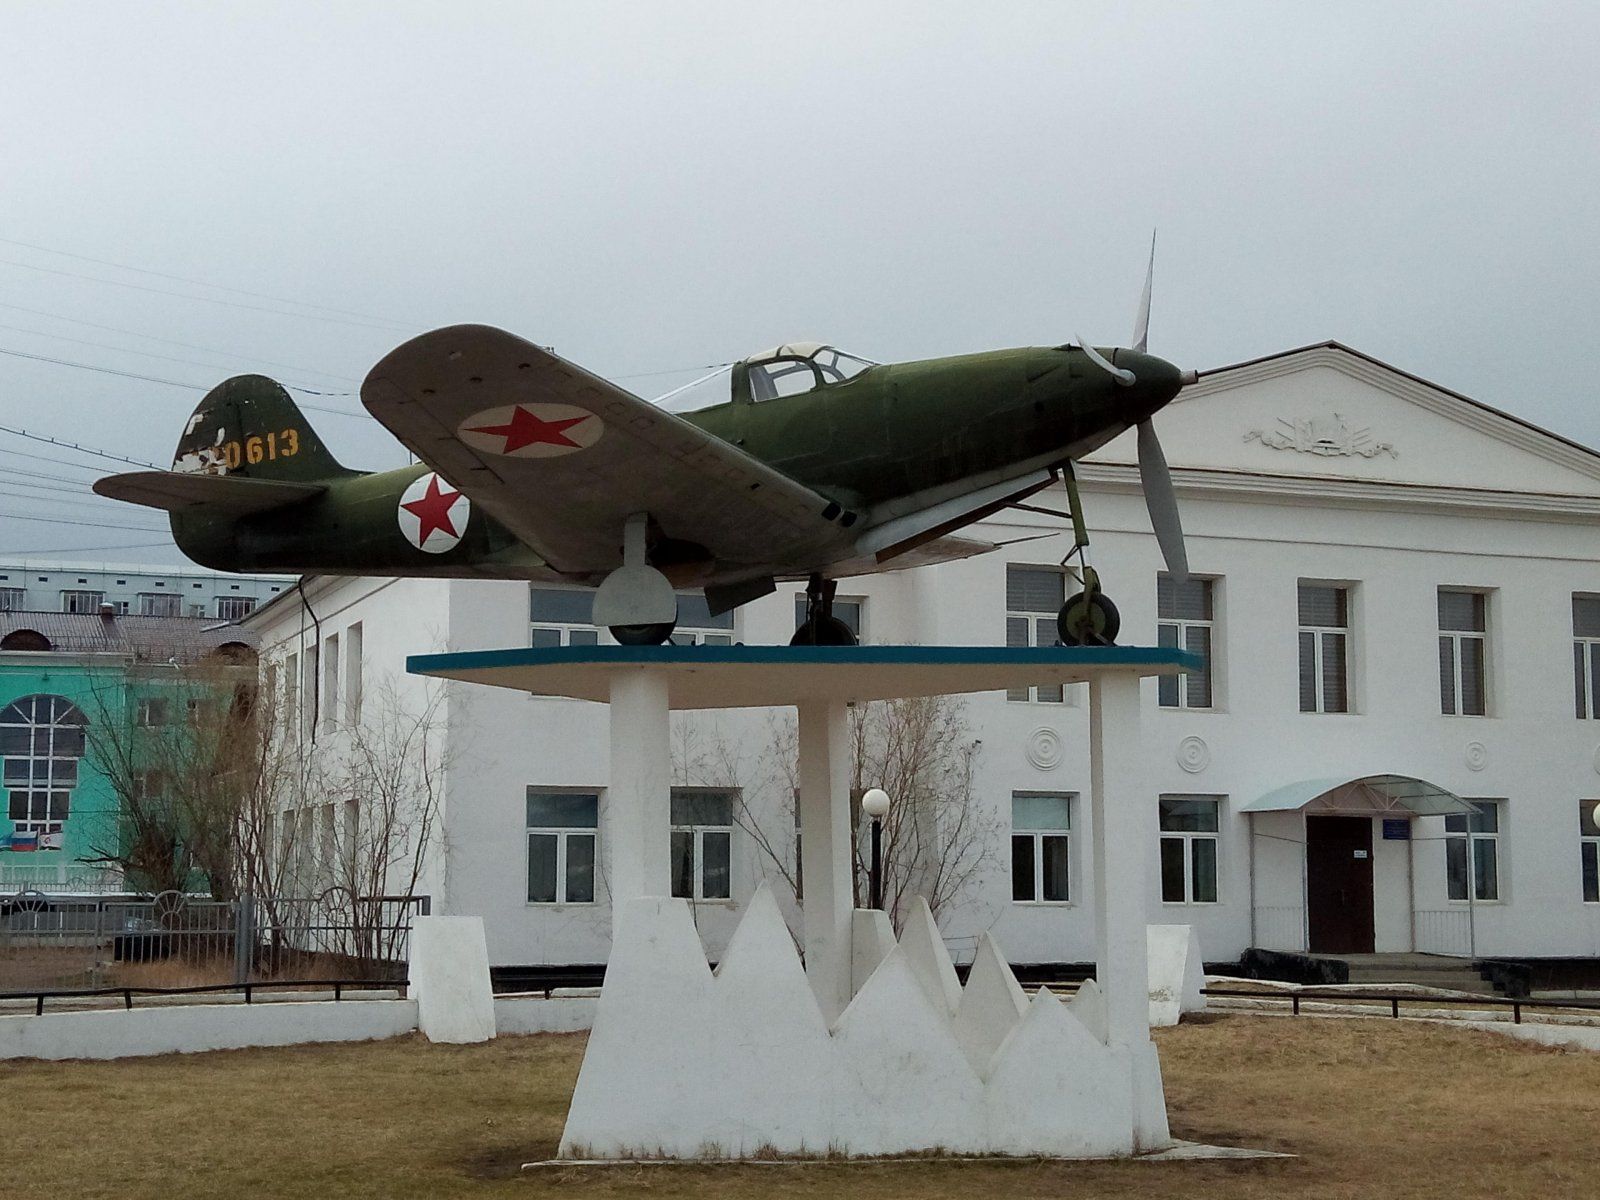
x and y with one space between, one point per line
1088 621
643 635
828 631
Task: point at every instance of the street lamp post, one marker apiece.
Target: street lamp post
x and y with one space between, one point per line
875 803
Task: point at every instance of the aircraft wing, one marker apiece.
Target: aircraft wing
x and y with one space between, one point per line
562 458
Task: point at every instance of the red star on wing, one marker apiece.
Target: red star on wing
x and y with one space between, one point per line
525 429
433 511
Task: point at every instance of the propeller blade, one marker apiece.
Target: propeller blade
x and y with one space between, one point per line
1121 374
1141 319
1161 501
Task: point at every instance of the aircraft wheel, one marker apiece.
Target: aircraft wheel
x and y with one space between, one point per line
1088 619
643 635
828 631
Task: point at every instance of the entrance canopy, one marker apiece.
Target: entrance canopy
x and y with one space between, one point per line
1368 795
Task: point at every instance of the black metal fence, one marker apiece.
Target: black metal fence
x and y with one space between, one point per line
1395 999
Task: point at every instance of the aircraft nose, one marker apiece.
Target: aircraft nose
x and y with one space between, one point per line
1155 381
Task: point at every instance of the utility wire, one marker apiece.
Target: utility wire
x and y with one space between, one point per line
193 387
39 437
39 312
139 287
92 501
95 524
65 462
25 554
105 262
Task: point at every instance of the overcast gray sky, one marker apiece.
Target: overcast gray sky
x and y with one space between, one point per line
652 188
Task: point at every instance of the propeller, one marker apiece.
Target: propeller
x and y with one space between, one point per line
1154 475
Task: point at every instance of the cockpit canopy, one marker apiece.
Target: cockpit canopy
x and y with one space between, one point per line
786 370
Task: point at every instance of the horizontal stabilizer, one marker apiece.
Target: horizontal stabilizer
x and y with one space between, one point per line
177 491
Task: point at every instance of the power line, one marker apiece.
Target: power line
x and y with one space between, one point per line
92 501
97 549
221 287
39 312
40 437
71 485
139 287
65 462
64 521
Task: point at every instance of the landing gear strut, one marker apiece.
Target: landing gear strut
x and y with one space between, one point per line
821 627
1089 618
636 601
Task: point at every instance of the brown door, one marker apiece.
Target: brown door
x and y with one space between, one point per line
1339 884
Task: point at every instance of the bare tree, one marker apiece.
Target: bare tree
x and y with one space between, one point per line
937 838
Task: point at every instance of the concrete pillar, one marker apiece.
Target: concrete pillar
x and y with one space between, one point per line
825 850
638 801
1121 848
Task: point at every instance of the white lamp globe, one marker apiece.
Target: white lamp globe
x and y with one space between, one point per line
875 802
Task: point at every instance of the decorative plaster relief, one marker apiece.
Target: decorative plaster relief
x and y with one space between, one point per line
1326 437
1477 756
1043 749
1194 755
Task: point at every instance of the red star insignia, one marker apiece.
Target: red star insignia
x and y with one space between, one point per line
433 510
525 429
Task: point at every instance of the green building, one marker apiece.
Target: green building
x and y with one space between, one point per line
60 673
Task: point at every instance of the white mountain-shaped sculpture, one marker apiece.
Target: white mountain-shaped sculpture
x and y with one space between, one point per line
684 1063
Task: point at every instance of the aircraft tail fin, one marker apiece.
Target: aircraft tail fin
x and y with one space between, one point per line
249 427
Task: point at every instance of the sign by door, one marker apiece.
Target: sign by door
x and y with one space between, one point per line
1361 854
1396 829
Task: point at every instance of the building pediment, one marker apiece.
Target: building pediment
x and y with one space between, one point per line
1328 412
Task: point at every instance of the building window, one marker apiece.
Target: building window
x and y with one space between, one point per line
1034 596
152 711
160 604
562 617
1476 835
235 608
330 682
352 674
81 602
1040 847
1189 849
1186 614
846 608
13 599
310 691
41 739
1586 655
696 625
563 828
1589 848
1324 648
1463 630
702 844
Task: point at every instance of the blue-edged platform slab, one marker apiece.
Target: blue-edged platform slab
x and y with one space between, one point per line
767 676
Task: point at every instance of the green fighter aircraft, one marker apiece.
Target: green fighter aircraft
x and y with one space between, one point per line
802 463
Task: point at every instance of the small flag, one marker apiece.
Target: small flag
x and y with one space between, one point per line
50 841
20 842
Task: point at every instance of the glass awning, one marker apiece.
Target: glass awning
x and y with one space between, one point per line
1373 795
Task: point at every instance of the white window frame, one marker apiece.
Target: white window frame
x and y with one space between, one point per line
1320 634
1040 693
590 634
561 833
1188 838
1584 651
1179 684
860 602
1474 840
697 861
1589 842
1456 637
235 608
150 601
47 785
152 712
79 600
1037 836
13 599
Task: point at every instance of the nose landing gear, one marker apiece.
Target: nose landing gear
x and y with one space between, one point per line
821 627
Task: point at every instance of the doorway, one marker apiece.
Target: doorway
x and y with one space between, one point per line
1339 884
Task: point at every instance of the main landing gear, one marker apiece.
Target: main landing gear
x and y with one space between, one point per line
821 627
1088 618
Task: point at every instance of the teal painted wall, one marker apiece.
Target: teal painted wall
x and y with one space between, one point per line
96 688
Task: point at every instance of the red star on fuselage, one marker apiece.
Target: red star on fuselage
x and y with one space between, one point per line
432 509
525 429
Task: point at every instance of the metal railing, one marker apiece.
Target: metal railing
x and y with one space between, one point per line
1395 999
339 986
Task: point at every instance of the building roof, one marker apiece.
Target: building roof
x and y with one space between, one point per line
144 639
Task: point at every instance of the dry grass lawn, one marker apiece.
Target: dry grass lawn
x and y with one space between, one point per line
1373 1108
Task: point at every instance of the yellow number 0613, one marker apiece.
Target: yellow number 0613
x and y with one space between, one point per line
257 448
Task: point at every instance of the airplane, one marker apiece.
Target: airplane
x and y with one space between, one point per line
799 463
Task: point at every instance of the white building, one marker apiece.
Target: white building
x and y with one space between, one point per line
1390 580
49 585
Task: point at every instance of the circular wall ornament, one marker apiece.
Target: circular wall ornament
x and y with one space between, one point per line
1477 756
1194 755
1043 749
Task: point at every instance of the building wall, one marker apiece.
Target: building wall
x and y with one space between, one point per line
42 584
